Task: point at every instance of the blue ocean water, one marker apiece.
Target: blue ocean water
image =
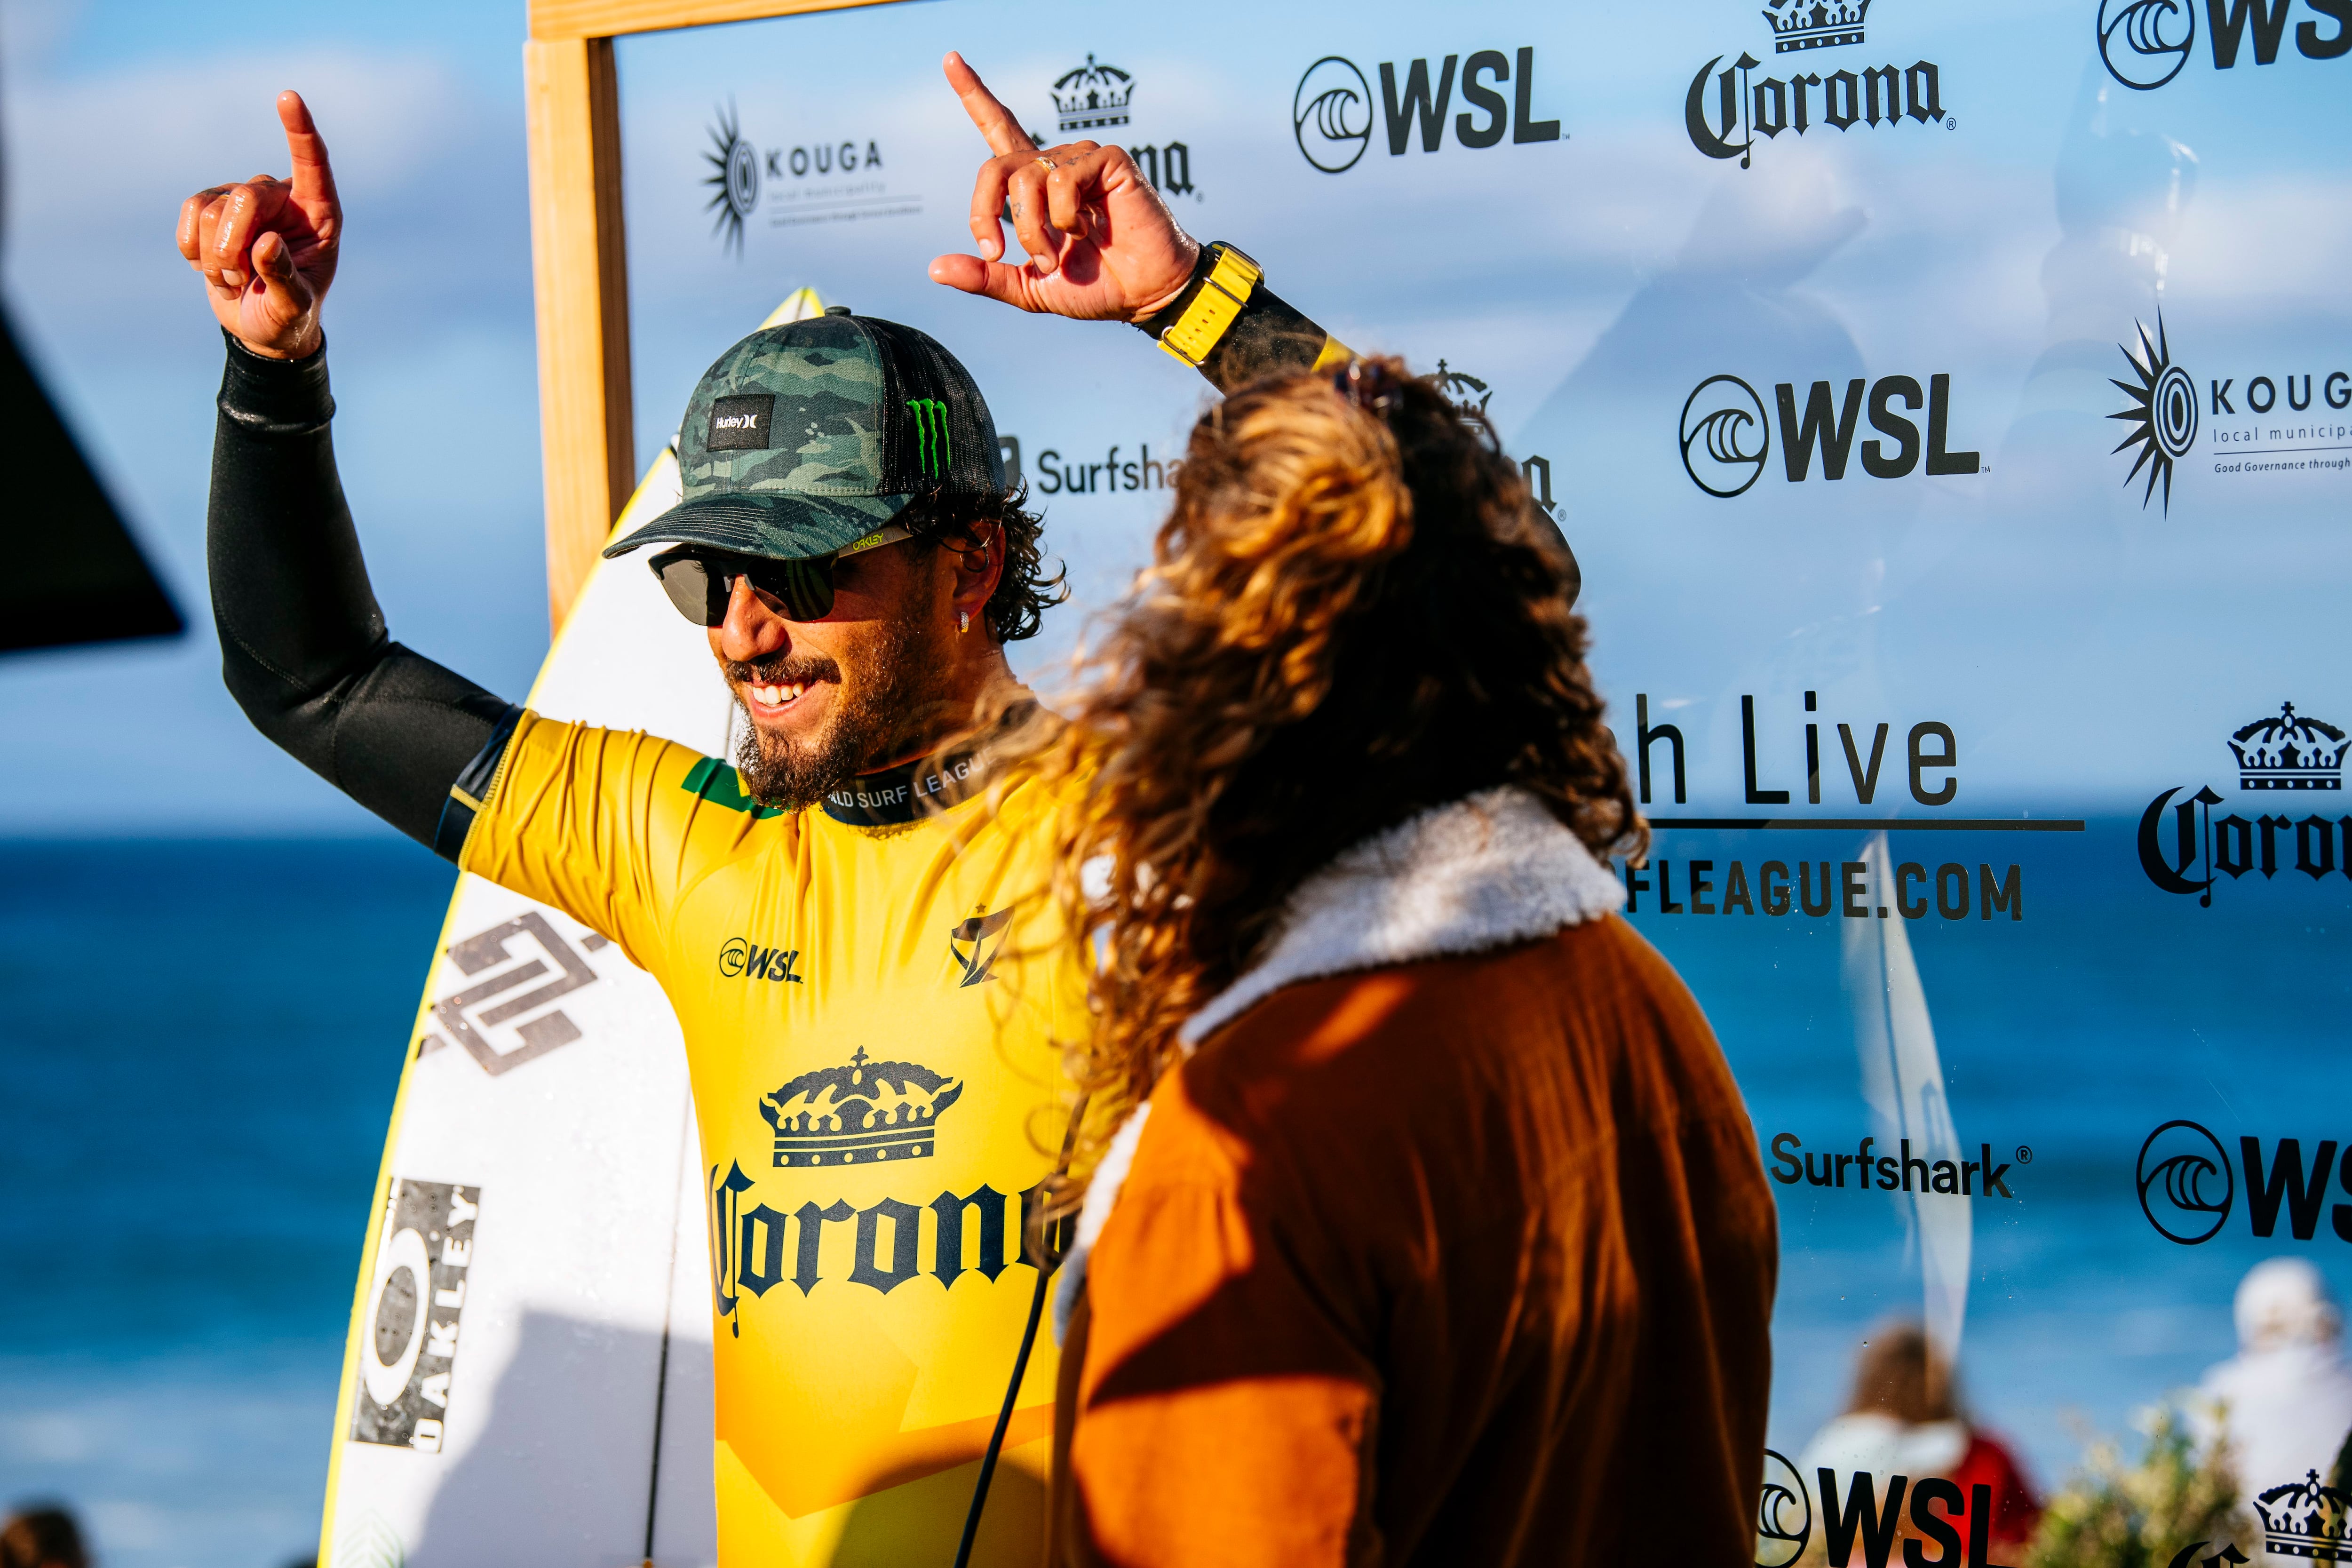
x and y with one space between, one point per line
2066 1038
202 1040
199 1045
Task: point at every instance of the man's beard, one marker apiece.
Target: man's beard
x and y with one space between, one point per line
896 704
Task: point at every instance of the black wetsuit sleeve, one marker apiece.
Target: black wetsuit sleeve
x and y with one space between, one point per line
303 646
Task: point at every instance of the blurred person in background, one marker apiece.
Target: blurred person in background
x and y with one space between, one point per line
1905 1419
42 1536
2284 1401
1436 1230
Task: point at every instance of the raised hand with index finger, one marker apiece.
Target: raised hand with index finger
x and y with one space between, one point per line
266 246
1102 245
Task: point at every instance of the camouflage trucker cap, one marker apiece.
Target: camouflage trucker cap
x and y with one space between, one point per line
806 437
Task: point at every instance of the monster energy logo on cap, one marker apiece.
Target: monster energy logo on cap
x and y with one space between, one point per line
806 437
933 447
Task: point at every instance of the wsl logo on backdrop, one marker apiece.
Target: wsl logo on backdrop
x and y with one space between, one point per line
2189 1184
2287 752
2146 43
1727 434
1332 112
1725 110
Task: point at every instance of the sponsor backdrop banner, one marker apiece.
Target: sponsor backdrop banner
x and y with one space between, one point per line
1951 408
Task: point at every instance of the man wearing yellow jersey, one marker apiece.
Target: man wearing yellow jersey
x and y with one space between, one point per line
866 981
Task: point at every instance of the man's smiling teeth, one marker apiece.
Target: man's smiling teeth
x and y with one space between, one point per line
777 696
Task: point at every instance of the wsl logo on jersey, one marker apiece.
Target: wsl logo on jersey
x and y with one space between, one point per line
1727 431
2186 849
859 1114
1728 107
2146 43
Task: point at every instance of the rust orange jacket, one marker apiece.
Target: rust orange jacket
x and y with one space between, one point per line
1450 1243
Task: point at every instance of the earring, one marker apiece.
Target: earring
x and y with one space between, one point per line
964 621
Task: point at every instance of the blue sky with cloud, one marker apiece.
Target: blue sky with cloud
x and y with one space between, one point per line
114 112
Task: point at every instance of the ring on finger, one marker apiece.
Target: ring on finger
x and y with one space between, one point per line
1044 162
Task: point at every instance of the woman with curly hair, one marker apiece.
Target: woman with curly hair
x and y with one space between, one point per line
1434 1228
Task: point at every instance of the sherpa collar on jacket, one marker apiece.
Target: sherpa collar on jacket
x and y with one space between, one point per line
1489 870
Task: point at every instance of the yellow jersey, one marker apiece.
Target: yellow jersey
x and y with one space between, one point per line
870 993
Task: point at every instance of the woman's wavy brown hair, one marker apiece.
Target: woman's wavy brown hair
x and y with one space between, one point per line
1351 616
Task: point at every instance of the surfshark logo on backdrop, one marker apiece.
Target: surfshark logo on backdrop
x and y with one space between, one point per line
501 1017
829 178
1728 107
1893 1170
2287 752
1332 116
2147 42
416 1303
2189 1184
1726 432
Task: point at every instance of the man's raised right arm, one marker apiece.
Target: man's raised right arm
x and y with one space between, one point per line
303 644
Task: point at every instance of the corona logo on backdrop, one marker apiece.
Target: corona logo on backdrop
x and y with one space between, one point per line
2147 42
1728 107
1091 98
1332 112
1471 395
1095 98
2290 752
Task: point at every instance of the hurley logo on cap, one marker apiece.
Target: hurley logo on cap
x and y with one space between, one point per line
740 423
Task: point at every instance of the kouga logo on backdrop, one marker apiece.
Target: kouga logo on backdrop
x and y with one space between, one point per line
1332 112
2189 1184
2146 43
828 180
1727 433
1726 109
2287 752
2162 418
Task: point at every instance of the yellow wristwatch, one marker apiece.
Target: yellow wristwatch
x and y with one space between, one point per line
1224 281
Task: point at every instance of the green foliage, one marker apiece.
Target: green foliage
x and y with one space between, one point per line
2149 1513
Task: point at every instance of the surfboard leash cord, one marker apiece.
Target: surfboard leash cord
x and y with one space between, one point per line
1051 1245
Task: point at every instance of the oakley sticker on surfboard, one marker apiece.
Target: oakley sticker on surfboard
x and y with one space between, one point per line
527 1377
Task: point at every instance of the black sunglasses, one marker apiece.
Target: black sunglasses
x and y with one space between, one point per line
700 580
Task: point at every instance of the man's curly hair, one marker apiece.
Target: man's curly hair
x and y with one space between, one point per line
950 519
1351 616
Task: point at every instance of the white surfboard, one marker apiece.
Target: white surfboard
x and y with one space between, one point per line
528 1377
